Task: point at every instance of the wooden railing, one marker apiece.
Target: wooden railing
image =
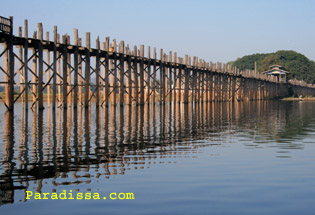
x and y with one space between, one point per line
6 25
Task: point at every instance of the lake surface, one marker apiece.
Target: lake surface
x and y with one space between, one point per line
224 158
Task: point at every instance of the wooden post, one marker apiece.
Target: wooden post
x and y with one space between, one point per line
135 76
129 69
207 84
121 73
148 79
212 88
26 65
69 92
59 79
175 89
87 70
97 73
76 68
194 81
9 69
54 88
154 77
142 75
170 77
165 78
186 81
179 81
113 68
106 72
40 67
202 82
64 72
34 68
48 72
21 65
161 77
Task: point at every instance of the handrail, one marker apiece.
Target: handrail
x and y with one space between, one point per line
6 25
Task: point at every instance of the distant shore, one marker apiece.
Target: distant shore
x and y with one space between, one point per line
307 98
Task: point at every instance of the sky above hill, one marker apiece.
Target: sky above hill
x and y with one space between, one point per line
219 30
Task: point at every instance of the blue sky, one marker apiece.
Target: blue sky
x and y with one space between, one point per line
212 30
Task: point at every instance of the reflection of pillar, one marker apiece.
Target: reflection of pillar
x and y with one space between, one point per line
148 121
47 151
9 143
54 139
141 127
178 120
87 137
75 137
121 126
134 125
40 150
154 112
21 145
65 140
106 132
34 137
106 140
97 137
128 125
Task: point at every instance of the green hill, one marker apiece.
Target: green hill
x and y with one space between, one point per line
300 66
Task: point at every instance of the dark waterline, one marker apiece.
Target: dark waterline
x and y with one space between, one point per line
224 158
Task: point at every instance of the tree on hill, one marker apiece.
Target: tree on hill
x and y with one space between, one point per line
297 64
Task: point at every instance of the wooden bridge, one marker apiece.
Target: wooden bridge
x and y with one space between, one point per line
112 73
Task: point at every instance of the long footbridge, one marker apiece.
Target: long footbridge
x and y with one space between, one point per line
65 73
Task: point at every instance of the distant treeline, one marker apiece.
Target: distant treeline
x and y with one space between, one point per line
297 64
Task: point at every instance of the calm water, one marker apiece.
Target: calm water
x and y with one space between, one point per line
243 158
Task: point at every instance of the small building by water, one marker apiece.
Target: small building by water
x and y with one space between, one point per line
279 72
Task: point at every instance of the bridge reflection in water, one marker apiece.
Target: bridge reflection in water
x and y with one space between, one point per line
73 146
